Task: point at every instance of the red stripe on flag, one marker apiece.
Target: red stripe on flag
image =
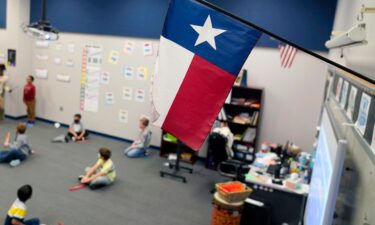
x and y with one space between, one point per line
292 58
287 55
198 102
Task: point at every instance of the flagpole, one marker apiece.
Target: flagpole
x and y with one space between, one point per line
286 41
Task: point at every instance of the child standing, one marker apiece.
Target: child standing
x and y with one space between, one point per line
17 212
19 150
76 131
102 173
29 92
3 88
142 142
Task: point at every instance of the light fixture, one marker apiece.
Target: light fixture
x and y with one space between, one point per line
354 36
42 29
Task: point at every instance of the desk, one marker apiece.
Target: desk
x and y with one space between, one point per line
287 205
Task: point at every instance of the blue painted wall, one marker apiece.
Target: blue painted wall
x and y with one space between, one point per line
3 13
308 23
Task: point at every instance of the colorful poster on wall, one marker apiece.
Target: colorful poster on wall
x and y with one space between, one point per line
109 98
90 78
127 93
338 89
123 116
351 103
148 48
344 94
129 47
11 57
363 112
128 72
140 95
142 73
114 57
373 141
104 78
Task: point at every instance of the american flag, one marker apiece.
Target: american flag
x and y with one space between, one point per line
287 55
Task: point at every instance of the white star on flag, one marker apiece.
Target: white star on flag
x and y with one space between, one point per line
207 33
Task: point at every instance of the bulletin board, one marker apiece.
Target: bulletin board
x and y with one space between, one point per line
105 78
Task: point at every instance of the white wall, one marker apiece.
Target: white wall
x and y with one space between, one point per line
18 12
59 101
292 97
359 58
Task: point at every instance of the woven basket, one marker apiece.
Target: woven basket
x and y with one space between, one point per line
232 197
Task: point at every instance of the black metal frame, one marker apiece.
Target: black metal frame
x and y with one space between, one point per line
176 166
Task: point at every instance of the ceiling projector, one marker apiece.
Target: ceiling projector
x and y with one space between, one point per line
42 29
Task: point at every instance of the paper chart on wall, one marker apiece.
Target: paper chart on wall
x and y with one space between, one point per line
140 95
351 103
148 48
128 47
42 44
127 93
338 89
114 57
109 98
123 116
42 57
41 73
104 78
344 94
363 112
142 73
90 78
128 72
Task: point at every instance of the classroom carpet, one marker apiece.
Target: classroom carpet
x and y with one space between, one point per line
138 197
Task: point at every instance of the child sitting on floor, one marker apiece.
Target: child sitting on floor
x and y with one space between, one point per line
17 212
102 173
142 142
19 150
76 131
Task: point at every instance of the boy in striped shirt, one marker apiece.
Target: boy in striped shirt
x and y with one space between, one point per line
17 212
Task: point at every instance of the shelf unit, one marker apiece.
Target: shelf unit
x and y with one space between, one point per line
248 101
169 147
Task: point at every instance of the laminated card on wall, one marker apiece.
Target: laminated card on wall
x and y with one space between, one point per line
123 116
105 77
140 95
128 72
114 57
142 73
129 47
127 93
351 103
42 57
344 94
41 73
364 108
148 48
109 98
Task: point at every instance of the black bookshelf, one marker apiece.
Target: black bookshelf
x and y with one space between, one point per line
245 101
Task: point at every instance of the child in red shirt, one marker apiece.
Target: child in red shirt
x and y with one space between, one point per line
29 100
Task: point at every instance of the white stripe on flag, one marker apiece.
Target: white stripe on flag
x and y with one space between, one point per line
287 55
173 64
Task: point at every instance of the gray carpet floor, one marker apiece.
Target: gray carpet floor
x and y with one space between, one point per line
138 197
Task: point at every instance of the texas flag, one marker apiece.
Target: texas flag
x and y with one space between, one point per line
201 53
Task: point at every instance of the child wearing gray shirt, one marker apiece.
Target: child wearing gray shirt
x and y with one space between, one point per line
19 149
